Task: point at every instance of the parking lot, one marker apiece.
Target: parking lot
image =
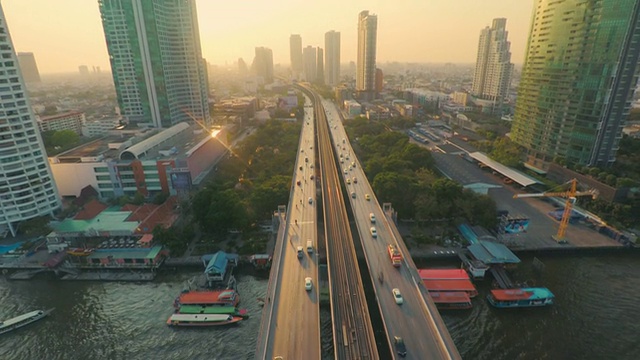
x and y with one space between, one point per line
541 226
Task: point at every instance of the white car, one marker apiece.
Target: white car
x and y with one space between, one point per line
397 296
307 284
372 218
310 200
373 231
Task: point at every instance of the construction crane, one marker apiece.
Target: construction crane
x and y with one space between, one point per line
570 195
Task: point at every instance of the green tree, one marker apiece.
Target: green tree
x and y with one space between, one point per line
160 198
506 152
38 226
138 199
65 138
267 196
398 189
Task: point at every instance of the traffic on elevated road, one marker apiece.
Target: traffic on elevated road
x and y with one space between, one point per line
413 325
295 328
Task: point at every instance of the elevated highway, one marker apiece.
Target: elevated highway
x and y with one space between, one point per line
291 321
417 320
290 327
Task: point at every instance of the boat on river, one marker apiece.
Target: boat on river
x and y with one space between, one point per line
524 297
202 320
451 300
228 310
79 251
227 297
23 320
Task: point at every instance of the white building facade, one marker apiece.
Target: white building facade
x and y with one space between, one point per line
492 76
27 189
72 120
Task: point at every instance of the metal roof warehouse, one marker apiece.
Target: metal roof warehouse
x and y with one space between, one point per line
515 175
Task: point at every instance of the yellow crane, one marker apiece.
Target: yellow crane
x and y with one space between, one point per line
570 195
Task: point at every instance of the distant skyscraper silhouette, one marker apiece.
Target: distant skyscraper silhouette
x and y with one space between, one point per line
492 77
243 69
310 65
320 66
366 68
84 70
332 58
295 49
379 80
263 64
27 189
580 72
29 68
156 60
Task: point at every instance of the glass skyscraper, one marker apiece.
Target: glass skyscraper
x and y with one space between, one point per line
366 68
156 60
580 72
27 189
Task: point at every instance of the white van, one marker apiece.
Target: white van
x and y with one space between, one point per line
309 246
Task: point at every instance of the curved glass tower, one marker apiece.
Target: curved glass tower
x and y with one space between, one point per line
27 189
156 60
580 71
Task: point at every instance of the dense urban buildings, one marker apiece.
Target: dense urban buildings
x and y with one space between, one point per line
146 161
156 60
27 189
29 68
366 67
70 120
263 64
332 58
295 49
577 81
492 77
309 65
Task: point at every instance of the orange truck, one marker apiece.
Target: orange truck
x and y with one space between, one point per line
395 255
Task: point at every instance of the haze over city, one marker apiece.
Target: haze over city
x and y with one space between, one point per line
65 34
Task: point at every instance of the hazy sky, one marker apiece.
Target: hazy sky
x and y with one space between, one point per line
64 34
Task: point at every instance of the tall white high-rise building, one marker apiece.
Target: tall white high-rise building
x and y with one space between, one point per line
492 76
310 66
332 58
156 60
366 67
263 64
27 189
295 49
320 66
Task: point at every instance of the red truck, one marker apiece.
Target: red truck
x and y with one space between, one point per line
395 255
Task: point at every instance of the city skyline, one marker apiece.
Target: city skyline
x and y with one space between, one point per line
60 47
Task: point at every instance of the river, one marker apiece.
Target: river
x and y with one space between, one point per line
595 317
